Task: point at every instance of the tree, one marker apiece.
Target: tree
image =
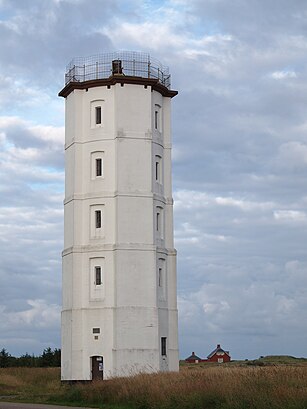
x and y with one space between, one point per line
26 360
57 357
47 357
4 358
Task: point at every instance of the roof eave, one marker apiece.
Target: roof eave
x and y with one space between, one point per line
115 79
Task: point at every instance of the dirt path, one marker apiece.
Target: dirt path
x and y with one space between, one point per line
11 405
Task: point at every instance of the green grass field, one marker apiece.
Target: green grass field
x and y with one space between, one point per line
267 383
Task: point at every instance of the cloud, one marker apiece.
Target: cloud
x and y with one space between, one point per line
239 139
290 216
33 328
38 315
254 310
292 154
31 218
30 144
280 75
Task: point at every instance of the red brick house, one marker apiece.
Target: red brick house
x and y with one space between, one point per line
193 359
219 355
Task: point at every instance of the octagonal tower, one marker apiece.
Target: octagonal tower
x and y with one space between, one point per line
119 314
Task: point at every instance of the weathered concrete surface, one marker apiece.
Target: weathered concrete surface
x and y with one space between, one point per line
11 405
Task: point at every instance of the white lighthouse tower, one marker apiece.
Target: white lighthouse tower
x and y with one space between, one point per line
119 313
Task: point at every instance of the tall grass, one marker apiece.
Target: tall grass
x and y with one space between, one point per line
31 384
220 387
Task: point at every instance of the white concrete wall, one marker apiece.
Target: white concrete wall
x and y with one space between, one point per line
132 311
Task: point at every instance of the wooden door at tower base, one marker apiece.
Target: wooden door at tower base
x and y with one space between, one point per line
97 367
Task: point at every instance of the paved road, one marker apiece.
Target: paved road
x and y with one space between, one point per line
10 405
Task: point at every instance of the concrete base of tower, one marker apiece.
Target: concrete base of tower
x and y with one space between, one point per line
88 352
130 363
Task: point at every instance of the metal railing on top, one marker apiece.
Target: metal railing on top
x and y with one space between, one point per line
129 63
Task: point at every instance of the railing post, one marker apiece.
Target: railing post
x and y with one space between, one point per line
83 72
148 69
96 70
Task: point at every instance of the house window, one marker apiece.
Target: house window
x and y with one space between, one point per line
160 277
98 219
97 275
163 346
98 115
98 167
96 330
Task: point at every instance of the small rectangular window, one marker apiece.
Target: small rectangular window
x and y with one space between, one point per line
163 346
156 119
97 275
98 115
98 167
98 219
96 330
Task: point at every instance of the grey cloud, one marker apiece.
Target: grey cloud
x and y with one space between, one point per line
31 218
40 146
41 37
239 137
254 20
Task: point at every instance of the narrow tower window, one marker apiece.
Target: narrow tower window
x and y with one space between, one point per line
158 169
98 167
98 219
160 277
158 221
162 283
163 346
156 119
96 278
98 115
97 275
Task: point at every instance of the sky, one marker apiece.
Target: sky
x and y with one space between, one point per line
239 163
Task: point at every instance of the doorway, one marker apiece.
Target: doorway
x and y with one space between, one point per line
97 368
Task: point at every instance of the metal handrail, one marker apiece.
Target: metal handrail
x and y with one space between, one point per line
134 64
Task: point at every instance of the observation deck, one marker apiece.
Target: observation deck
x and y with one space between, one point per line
117 67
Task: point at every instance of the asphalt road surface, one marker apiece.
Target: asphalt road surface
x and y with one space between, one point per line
10 405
